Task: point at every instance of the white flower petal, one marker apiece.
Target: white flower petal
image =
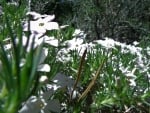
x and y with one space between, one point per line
7 46
43 79
31 39
52 42
37 16
43 55
64 26
74 44
49 18
52 26
132 82
37 26
77 32
44 68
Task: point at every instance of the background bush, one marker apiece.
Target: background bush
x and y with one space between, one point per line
123 20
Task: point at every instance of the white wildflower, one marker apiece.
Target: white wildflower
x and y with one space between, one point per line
41 25
79 34
74 43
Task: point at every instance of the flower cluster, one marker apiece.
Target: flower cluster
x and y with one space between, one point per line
38 27
79 44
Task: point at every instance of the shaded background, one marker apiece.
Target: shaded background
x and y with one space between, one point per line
122 20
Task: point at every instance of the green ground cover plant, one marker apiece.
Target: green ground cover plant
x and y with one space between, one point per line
46 67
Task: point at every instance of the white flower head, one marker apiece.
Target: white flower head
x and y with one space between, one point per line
74 43
41 25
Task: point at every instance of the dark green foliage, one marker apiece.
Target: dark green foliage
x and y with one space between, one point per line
123 20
